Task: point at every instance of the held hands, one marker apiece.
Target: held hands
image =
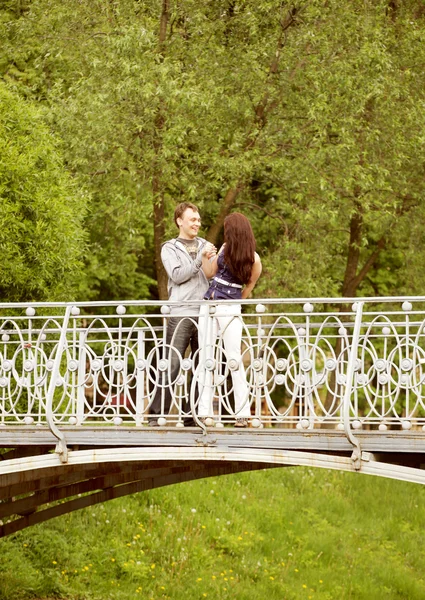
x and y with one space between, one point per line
209 250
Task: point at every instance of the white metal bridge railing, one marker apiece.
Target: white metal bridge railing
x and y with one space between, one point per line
309 363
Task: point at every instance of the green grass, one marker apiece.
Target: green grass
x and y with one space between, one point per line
280 534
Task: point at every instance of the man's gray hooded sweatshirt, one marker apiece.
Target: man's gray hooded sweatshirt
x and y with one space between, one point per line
186 279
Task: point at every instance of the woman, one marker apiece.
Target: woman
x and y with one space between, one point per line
235 271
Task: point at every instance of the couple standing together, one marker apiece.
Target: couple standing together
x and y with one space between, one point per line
196 271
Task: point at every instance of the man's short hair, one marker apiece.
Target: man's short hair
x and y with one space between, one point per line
180 208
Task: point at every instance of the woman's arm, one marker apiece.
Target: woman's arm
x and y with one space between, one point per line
209 263
209 266
255 274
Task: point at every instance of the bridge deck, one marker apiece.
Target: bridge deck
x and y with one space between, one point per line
323 440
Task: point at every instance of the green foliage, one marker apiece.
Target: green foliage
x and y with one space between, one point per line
318 119
41 211
356 107
282 533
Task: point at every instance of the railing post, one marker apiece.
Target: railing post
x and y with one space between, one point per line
166 356
61 448
140 377
356 457
259 377
205 324
81 396
304 379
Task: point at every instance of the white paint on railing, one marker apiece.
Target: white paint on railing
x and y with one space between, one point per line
308 364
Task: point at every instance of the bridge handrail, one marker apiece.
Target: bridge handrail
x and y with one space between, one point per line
301 300
351 367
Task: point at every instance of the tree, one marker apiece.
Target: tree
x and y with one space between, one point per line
137 94
41 210
357 174
305 115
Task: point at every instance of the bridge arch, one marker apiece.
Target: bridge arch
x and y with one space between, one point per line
92 476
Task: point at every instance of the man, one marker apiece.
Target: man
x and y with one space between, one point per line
187 262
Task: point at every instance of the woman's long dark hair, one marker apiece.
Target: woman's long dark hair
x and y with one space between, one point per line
239 251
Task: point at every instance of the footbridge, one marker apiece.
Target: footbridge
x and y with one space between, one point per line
331 383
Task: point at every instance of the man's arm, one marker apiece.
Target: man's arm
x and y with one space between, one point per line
176 271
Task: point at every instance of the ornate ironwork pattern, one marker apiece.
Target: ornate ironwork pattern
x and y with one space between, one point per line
305 364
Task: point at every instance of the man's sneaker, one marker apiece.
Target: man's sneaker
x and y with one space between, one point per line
153 423
241 423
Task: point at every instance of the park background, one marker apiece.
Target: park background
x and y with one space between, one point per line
309 117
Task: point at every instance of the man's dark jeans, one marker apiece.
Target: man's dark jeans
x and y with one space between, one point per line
186 335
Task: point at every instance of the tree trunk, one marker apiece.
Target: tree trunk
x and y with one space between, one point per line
228 202
349 285
159 235
157 188
353 278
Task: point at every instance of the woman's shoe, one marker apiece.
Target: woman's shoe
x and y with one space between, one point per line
241 423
